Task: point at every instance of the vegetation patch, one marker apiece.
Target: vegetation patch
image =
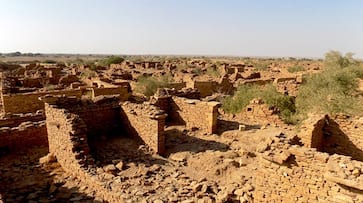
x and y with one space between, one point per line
269 94
148 85
294 69
334 90
111 60
213 72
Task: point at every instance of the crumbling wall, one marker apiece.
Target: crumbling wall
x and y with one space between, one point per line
123 91
257 112
325 134
145 122
351 128
26 135
311 131
13 120
298 174
67 136
101 116
206 88
177 85
194 113
29 102
68 143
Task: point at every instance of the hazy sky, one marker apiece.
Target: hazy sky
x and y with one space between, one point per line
305 28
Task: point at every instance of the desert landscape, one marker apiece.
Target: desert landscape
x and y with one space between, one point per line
181 129
181 101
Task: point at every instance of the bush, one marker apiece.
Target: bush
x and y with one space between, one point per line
333 90
111 60
335 59
268 94
149 85
294 69
241 98
87 73
213 72
197 71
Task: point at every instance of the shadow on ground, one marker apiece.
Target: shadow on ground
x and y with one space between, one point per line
179 141
225 125
23 179
122 148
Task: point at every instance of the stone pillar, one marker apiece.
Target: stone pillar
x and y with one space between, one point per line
163 102
161 134
212 116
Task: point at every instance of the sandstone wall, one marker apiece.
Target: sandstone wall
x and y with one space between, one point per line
68 143
300 174
345 137
177 85
122 91
13 120
26 135
334 136
29 102
145 122
102 119
194 113
67 138
206 88
257 112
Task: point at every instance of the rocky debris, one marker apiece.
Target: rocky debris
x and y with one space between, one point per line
110 169
49 158
251 75
345 171
24 179
120 165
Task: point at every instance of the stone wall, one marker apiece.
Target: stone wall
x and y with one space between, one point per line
68 143
145 122
25 136
351 128
194 114
13 120
206 88
122 91
327 135
311 131
177 85
72 124
29 102
257 112
101 116
298 174
67 136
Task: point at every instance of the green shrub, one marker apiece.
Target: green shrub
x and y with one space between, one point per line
149 85
294 69
213 71
268 94
333 90
111 60
197 71
241 98
87 73
335 59
261 67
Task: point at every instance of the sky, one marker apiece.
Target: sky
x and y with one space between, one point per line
273 28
